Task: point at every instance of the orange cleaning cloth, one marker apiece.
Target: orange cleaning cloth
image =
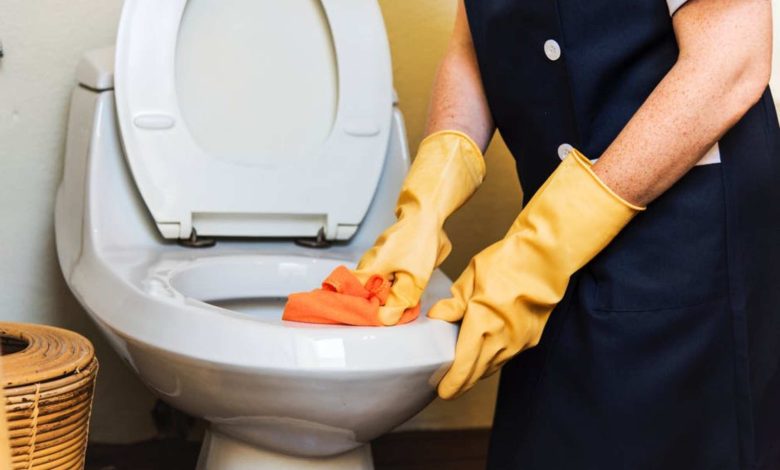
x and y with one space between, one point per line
343 300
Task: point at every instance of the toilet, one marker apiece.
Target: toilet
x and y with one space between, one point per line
222 155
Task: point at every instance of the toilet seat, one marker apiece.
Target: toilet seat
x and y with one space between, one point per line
186 187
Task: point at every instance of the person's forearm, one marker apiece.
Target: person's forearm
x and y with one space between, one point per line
458 99
722 71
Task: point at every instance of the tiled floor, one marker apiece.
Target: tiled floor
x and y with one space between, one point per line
452 450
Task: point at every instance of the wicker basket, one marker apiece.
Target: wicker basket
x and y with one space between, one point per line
48 377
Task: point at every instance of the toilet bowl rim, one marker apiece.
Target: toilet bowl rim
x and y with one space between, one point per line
128 313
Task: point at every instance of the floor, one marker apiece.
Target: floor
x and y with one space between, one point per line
451 450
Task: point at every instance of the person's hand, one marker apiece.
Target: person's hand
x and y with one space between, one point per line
506 294
448 168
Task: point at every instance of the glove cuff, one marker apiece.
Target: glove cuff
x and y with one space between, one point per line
587 165
469 153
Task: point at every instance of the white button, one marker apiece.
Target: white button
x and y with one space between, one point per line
552 50
563 150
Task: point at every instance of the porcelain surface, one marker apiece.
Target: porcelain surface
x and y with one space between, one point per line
202 327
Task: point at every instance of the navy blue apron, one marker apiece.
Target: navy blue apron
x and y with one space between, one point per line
665 352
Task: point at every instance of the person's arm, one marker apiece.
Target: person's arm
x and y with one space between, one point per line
447 169
458 100
722 70
506 294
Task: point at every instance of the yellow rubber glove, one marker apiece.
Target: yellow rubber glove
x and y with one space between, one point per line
447 170
506 294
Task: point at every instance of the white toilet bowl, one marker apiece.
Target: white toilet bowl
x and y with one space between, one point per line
202 327
304 393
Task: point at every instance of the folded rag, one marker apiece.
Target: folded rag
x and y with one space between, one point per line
343 300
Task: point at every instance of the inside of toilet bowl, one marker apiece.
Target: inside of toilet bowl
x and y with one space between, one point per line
256 307
255 286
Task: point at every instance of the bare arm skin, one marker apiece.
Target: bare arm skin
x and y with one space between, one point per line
722 70
458 100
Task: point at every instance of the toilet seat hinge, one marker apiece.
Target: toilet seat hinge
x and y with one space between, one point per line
197 242
318 242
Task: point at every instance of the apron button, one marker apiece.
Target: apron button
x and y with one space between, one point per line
564 150
552 50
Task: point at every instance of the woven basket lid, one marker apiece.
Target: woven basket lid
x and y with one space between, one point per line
40 353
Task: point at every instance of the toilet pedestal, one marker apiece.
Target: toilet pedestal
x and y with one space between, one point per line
220 452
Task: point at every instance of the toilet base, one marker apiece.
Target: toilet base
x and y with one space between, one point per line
220 452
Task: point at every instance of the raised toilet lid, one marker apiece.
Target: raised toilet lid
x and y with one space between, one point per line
261 118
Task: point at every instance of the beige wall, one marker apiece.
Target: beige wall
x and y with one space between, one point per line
43 41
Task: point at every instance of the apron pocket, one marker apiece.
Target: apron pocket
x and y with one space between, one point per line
670 256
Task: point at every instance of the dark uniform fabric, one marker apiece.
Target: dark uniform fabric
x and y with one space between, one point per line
665 352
